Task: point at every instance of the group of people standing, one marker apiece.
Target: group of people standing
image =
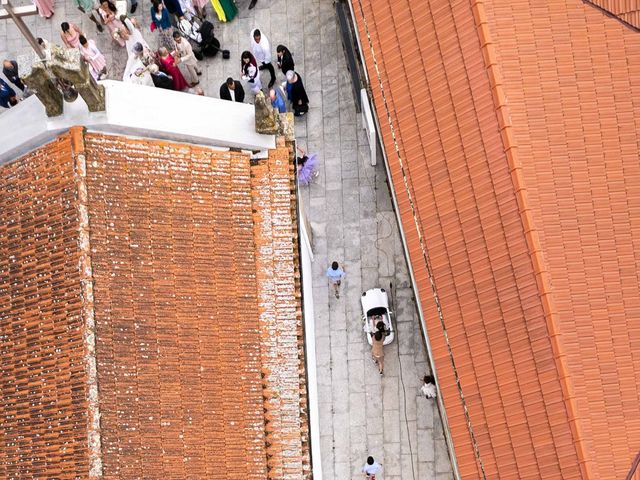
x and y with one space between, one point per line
159 67
225 9
260 59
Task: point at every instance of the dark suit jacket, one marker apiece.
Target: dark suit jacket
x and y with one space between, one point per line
226 95
12 75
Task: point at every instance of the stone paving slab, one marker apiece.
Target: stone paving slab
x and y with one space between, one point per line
353 222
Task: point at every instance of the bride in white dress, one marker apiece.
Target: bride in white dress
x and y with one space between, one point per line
135 58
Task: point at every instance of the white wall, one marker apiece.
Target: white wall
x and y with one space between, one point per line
139 111
310 346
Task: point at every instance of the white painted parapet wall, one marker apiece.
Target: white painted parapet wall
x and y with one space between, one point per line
306 254
139 111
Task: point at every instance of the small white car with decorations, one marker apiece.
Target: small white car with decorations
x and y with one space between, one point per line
376 314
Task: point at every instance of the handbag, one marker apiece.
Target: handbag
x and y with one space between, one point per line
152 26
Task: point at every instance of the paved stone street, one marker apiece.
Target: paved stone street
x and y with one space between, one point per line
350 210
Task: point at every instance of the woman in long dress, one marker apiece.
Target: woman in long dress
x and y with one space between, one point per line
138 69
46 48
168 64
93 56
134 39
45 7
250 72
70 35
297 94
134 33
89 7
107 11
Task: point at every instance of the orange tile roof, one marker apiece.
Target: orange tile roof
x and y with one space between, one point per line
280 314
627 11
187 308
43 411
511 138
583 184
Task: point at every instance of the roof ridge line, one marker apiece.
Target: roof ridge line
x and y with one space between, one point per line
531 234
94 432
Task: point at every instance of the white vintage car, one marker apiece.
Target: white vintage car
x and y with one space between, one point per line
375 309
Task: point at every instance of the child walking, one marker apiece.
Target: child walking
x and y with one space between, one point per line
335 275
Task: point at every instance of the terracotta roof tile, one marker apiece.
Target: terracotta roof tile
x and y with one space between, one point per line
43 420
280 319
159 223
627 11
583 197
556 225
198 336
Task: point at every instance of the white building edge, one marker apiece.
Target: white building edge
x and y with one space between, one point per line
137 111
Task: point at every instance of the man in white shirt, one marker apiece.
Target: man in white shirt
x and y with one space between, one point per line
262 51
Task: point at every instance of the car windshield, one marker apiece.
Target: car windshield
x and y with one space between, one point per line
377 311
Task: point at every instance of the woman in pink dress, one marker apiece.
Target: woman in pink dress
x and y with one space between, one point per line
70 35
45 7
93 56
169 66
107 11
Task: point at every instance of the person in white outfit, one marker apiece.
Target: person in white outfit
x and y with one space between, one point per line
135 35
137 69
371 468
250 72
428 388
262 51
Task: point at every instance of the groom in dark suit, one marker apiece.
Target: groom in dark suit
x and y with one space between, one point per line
232 90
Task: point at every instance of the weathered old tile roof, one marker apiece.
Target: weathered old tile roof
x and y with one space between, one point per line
43 411
511 133
281 329
191 321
